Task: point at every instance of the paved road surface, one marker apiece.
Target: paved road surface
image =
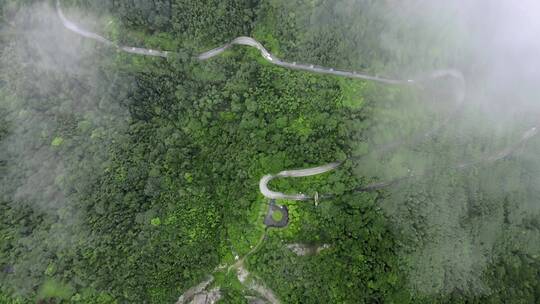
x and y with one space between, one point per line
248 41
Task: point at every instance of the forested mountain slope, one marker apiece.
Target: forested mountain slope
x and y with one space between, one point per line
128 179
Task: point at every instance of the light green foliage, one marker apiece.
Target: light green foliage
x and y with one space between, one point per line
54 289
277 216
57 141
155 221
351 91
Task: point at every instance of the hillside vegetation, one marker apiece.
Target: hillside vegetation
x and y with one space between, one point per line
127 179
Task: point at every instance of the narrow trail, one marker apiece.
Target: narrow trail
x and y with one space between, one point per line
240 262
248 41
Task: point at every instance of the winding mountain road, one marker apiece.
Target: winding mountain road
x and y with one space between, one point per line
248 41
68 24
456 75
263 184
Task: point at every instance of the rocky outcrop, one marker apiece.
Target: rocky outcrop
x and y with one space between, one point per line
307 249
199 295
207 297
251 283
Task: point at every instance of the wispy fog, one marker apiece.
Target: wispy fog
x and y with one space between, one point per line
56 92
457 222
454 223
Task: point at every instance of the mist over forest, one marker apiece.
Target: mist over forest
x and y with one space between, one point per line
127 178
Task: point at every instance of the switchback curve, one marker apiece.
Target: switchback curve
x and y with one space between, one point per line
499 155
248 41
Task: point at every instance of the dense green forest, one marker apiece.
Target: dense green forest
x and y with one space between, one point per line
128 179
